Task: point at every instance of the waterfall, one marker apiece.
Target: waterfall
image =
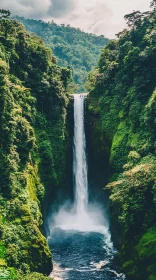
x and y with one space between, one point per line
80 179
81 215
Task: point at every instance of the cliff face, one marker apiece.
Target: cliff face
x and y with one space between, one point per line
122 106
33 147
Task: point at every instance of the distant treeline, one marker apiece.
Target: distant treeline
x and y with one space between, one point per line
73 47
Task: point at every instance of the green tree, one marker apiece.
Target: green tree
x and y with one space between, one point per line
74 48
4 14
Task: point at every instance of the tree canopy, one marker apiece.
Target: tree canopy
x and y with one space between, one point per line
74 48
33 101
123 99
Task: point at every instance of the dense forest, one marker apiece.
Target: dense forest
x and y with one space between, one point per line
74 48
35 136
33 145
122 109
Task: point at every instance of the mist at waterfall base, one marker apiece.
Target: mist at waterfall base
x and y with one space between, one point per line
79 233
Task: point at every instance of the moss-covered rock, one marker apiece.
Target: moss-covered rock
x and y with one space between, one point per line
33 147
122 101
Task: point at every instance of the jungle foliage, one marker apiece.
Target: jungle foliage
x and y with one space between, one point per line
33 144
74 48
123 97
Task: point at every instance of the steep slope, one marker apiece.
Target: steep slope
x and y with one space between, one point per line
122 107
33 147
74 48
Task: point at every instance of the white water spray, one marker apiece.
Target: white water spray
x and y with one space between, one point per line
80 178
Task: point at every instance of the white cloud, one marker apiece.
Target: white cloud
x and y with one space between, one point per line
96 16
27 8
103 16
59 8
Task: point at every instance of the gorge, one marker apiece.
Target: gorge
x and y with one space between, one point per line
114 143
75 227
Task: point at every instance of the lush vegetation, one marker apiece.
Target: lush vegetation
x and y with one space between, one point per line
122 102
33 144
74 49
34 139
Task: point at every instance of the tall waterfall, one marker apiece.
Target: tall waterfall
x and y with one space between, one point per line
81 215
79 156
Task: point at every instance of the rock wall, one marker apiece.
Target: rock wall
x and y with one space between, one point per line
121 108
33 148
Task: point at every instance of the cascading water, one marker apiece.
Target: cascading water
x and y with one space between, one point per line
80 178
79 235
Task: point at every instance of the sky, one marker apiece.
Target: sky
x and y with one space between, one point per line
101 17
